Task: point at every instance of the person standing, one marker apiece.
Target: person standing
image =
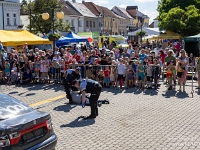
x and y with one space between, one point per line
92 87
121 68
70 75
198 72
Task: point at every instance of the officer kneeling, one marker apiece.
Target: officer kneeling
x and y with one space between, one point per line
92 87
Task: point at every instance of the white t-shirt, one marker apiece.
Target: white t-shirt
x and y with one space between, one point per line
121 69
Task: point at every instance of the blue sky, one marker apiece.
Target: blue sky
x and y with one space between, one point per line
147 7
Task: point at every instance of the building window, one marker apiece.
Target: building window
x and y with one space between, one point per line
8 19
87 24
15 19
108 24
79 23
105 24
90 23
94 24
72 23
116 25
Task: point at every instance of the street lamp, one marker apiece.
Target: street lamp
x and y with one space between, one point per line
142 20
111 24
59 15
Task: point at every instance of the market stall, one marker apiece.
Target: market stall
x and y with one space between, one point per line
19 37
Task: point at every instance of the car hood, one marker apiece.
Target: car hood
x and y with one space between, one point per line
24 121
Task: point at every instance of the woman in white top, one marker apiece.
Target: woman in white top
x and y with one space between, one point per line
184 60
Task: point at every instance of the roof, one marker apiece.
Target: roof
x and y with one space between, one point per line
69 10
140 14
131 7
124 12
81 8
92 7
19 37
105 11
97 10
120 17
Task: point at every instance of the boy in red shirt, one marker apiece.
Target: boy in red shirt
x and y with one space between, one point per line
107 76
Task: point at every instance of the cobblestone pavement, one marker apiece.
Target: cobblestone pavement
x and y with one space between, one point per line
134 120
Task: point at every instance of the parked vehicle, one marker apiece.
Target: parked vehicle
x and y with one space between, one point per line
23 128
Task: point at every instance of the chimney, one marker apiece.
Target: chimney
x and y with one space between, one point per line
83 1
74 1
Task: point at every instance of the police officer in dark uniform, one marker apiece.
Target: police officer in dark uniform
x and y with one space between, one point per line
70 75
92 87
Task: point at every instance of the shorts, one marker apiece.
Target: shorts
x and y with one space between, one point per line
130 81
106 80
179 74
7 74
168 75
37 69
149 78
141 76
121 77
57 70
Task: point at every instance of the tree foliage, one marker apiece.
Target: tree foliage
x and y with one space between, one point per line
37 24
180 16
141 33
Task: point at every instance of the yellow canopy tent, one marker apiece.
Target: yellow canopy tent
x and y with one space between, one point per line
19 37
169 35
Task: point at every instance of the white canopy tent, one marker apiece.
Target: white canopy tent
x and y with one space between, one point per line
149 31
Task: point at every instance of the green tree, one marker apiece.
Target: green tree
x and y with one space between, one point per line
141 33
179 16
38 25
24 2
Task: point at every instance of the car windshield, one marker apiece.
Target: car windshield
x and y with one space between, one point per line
121 42
10 107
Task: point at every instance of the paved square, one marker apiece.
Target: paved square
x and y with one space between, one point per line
134 120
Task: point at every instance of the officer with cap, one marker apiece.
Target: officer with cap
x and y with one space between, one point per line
70 75
92 87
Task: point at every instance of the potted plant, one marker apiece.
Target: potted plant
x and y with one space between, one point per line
54 37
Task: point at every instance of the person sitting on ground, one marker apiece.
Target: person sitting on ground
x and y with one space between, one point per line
27 77
13 78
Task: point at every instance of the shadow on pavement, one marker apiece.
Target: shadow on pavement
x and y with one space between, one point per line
169 94
65 108
79 123
151 92
182 95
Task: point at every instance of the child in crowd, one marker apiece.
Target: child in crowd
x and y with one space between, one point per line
14 68
100 77
180 74
13 78
37 67
107 76
156 72
7 69
62 69
149 76
141 75
169 74
113 76
130 76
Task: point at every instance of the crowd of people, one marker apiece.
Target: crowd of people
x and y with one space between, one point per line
118 67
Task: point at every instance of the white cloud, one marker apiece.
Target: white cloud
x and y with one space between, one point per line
123 5
144 1
100 2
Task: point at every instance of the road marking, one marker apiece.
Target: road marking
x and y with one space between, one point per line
48 100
